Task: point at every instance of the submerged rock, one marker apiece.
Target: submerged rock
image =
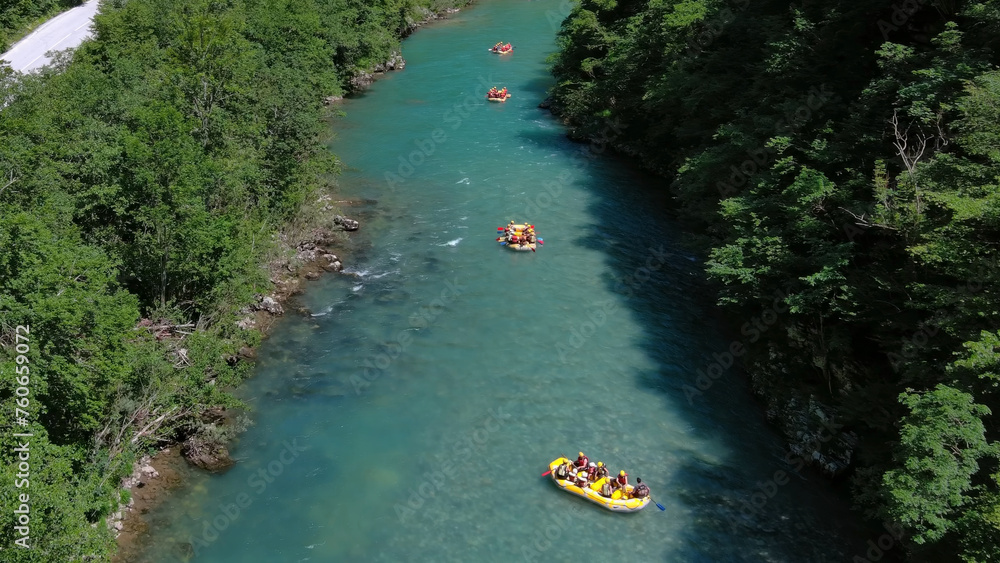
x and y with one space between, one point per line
209 456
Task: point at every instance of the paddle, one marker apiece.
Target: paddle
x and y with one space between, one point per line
658 505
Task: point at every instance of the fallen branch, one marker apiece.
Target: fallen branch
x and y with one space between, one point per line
861 221
158 421
165 327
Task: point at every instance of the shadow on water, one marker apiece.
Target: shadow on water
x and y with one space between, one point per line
806 515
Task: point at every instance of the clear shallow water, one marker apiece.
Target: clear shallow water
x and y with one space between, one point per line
409 418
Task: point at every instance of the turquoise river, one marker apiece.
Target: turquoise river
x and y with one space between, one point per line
411 414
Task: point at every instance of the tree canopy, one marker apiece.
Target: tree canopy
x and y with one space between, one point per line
146 177
847 151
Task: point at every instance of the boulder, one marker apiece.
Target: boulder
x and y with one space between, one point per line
346 223
308 255
269 304
208 456
395 62
333 264
362 80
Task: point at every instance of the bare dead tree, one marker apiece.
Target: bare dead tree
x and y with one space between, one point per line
123 429
941 140
863 221
10 181
911 155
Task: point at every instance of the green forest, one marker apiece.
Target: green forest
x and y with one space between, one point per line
147 177
842 155
845 156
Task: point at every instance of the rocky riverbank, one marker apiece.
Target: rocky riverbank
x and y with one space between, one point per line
303 255
152 478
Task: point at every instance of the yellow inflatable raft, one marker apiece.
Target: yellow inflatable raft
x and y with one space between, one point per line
519 231
503 99
520 247
617 502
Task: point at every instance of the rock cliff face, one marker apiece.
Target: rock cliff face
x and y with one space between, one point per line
364 79
815 437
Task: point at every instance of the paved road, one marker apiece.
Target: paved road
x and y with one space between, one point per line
65 31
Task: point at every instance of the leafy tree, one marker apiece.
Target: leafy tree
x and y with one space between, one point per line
941 442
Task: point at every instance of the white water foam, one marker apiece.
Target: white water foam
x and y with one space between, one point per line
322 313
366 273
384 274
452 242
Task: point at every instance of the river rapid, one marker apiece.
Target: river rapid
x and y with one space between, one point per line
411 415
